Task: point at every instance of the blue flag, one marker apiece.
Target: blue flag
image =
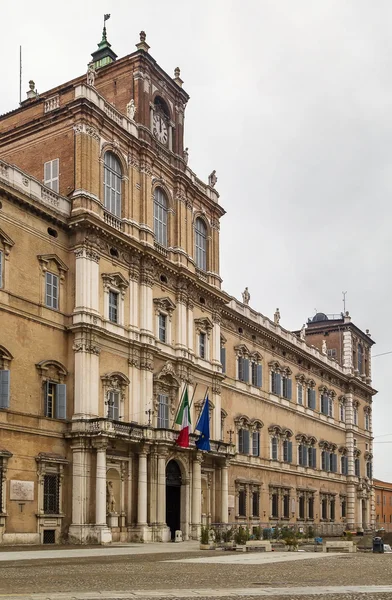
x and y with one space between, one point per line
203 425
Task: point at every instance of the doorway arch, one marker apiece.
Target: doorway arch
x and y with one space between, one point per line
173 497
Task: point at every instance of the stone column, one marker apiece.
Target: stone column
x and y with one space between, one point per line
161 496
181 318
351 488
142 489
216 339
100 486
225 493
190 327
196 495
134 292
146 304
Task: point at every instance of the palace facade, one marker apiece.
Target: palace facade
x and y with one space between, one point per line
111 302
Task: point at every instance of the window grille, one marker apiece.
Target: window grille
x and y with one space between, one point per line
202 345
286 506
242 503
51 494
49 536
256 504
274 506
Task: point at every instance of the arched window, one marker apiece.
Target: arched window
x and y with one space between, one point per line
112 184
160 217
360 359
201 244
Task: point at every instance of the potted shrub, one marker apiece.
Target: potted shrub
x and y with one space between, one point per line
227 537
241 536
205 538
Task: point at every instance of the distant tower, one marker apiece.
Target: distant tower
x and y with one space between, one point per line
104 55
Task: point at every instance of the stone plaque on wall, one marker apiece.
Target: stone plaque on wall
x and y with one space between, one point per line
21 490
231 502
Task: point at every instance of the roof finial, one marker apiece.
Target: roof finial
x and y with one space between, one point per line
142 45
105 18
177 77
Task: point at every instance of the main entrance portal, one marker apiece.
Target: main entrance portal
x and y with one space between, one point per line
173 497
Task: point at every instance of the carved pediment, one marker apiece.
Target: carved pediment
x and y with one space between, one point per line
117 280
167 376
45 261
164 304
241 350
203 324
242 421
6 242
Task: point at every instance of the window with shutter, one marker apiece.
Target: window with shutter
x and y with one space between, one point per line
256 504
246 370
201 244
241 441
202 344
274 506
162 326
4 389
357 467
312 398
242 503
51 175
112 184
300 455
163 412
324 507
51 290
287 451
160 217
301 507
343 509
246 441
241 368
334 463
256 443
113 306
300 393
259 380
286 387
113 405
61 401
286 506
223 358
274 448
311 508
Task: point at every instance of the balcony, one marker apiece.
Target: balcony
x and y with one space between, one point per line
161 249
112 220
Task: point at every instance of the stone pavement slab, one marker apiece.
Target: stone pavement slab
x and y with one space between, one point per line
81 552
291 592
257 558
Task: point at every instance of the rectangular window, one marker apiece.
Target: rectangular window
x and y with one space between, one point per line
51 290
343 509
324 404
243 441
331 353
357 467
301 507
274 506
324 509
242 503
4 389
163 411
162 328
113 306
274 448
300 390
1 270
330 407
51 175
223 358
256 504
51 494
276 383
113 401
286 506
355 416
312 457
311 508
243 369
367 418
256 374
344 465
325 460
303 455
342 412
256 443
286 387
333 462
55 400
312 398
202 345
287 451
369 471
332 509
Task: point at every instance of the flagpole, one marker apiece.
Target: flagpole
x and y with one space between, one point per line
193 395
179 406
204 401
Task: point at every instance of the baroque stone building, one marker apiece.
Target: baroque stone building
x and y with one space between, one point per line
111 302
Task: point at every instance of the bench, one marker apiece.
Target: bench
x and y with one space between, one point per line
258 546
339 546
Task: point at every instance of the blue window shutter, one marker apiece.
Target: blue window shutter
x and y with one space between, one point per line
314 458
334 463
4 389
289 452
273 382
305 456
313 399
323 460
289 388
246 441
246 370
259 381
300 458
278 384
61 401
46 388
223 359
241 441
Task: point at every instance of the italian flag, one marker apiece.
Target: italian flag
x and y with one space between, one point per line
184 419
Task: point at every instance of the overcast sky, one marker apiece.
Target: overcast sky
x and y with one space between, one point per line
291 104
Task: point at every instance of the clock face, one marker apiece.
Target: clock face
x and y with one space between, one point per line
159 129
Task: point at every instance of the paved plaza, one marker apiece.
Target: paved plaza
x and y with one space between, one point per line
161 571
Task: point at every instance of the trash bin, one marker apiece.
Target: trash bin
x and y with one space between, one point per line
378 545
